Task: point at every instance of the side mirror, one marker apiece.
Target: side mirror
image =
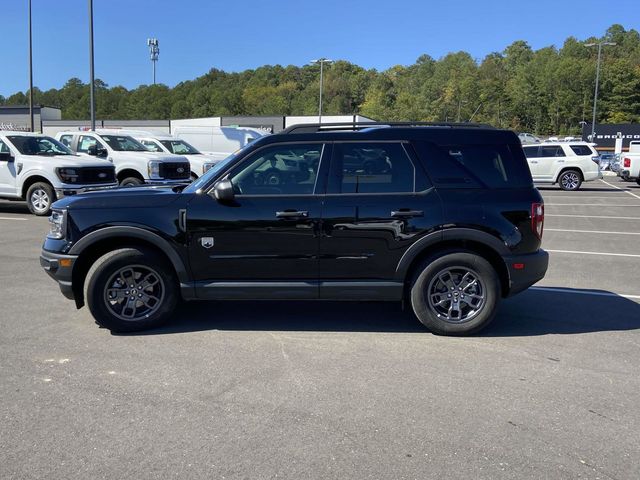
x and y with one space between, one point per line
93 150
6 157
223 191
102 152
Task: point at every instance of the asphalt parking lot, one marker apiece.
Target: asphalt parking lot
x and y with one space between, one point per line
336 390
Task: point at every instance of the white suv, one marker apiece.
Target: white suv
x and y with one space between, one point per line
566 163
134 164
38 169
200 162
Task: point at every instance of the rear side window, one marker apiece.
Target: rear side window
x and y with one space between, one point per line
531 152
552 151
371 168
582 150
493 165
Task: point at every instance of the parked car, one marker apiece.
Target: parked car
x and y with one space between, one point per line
219 141
630 163
134 164
452 226
607 161
38 169
200 163
528 138
566 163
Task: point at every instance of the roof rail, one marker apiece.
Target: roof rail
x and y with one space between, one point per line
355 126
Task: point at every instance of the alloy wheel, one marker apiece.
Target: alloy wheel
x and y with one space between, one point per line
40 200
134 292
456 294
570 180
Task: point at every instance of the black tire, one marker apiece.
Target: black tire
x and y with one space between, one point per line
40 197
570 180
428 279
131 182
638 181
104 281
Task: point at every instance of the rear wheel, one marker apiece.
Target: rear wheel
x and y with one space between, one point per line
638 181
40 197
131 289
570 180
455 293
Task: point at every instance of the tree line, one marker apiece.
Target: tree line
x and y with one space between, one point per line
544 91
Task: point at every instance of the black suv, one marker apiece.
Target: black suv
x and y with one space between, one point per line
444 217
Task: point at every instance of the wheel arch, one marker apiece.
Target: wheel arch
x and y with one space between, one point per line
99 242
457 239
128 172
27 182
575 168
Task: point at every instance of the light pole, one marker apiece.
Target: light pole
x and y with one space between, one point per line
154 51
92 101
595 95
30 73
321 62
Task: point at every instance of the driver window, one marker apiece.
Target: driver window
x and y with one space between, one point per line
85 142
279 170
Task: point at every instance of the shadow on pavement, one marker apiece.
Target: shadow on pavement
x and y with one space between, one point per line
533 312
14 207
582 189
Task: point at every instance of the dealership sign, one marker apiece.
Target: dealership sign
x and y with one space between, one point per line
606 134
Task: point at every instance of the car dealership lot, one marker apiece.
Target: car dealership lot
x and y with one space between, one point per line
335 390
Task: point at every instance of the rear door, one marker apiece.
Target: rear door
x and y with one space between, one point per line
551 160
378 203
265 243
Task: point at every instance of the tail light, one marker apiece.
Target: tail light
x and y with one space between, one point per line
627 162
537 219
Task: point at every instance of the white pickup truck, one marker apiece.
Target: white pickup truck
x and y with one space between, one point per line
134 164
38 169
630 163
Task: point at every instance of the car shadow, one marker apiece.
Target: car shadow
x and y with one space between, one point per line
532 313
582 189
14 207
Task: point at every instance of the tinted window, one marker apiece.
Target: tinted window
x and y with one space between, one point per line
551 151
371 168
531 152
279 170
494 165
582 150
47 146
66 140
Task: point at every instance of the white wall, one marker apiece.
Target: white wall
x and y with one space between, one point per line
197 122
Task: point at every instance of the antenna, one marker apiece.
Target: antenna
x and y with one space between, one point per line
154 51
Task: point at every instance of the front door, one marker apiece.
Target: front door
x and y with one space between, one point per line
7 173
378 203
551 159
264 243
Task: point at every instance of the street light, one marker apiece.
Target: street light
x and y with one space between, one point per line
595 96
321 62
30 73
92 100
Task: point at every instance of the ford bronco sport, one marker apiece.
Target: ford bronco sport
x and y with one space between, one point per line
448 221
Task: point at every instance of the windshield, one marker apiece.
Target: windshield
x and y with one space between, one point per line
179 147
123 143
30 145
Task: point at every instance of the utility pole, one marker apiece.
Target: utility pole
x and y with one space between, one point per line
321 62
595 95
92 102
154 51
30 74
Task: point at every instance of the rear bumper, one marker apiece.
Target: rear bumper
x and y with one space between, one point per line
525 270
60 268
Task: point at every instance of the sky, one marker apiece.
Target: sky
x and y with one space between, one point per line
197 35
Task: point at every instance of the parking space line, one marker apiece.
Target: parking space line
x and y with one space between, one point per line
589 216
589 231
585 205
13 218
609 254
585 292
621 189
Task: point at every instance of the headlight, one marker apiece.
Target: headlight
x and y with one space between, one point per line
68 175
57 224
206 167
154 169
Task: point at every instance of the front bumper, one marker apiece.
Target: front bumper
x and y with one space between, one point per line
525 270
59 267
68 190
151 181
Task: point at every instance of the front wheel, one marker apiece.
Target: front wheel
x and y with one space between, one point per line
131 182
455 293
131 289
570 180
40 197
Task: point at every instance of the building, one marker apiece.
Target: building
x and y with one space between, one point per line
16 117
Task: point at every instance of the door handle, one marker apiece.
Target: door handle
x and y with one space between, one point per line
533 161
292 214
406 213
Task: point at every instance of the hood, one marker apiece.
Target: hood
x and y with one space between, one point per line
163 157
144 196
204 157
76 161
